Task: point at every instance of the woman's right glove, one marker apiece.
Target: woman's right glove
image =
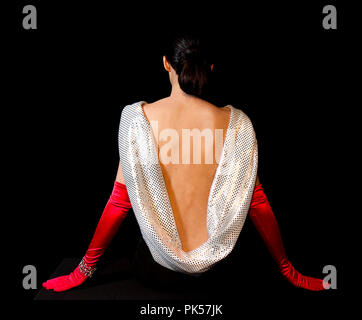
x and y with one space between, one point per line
113 215
264 220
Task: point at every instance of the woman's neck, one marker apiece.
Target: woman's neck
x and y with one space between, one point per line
178 95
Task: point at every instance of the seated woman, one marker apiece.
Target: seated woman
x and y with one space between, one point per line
190 198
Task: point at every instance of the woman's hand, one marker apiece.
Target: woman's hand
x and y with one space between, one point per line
63 283
299 280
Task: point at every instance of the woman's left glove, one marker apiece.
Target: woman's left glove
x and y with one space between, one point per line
262 216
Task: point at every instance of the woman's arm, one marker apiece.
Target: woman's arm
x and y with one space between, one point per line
119 176
265 222
113 215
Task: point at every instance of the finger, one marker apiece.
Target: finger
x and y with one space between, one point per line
50 284
326 285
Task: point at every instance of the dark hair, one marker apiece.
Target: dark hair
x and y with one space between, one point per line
190 57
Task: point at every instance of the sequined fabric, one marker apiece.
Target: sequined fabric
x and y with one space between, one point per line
229 197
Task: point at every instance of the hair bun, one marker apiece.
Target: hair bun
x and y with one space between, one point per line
189 57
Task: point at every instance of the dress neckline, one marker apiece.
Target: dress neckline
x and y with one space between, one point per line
220 164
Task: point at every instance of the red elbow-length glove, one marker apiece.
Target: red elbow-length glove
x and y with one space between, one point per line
114 213
264 220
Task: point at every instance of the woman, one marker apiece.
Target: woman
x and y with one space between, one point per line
190 202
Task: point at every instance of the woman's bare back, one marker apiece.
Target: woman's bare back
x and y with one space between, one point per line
188 184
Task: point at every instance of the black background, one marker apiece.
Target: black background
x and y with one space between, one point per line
68 80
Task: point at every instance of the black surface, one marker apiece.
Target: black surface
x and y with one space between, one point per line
67 82
141 278
113 282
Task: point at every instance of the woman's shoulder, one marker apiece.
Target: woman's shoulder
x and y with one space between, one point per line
154 105
132 108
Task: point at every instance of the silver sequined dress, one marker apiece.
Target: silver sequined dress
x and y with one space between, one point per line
229 197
